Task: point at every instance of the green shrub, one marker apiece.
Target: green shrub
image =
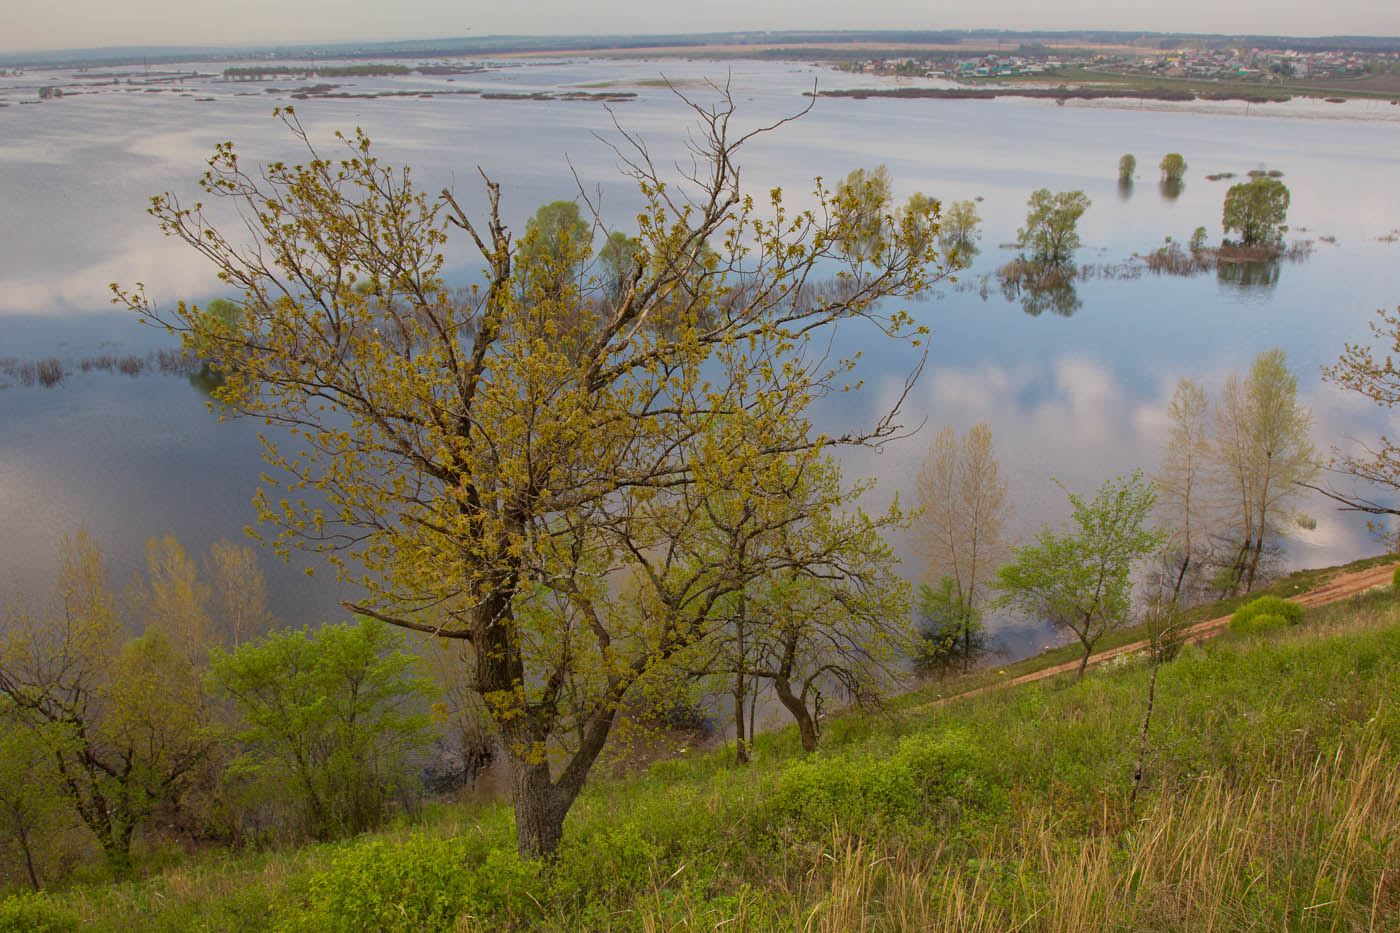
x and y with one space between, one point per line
1244 619
594 867
1259 624
1395 578
35 913
419 884
927 772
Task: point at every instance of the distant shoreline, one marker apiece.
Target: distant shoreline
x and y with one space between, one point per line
1048 93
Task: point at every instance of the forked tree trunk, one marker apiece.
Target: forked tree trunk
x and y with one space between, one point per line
1084 661
806 726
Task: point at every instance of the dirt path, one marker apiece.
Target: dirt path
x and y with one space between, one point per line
1333 590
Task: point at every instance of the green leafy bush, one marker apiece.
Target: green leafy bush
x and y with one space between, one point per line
1259 624
926 772
35 913
1253 617
418 884
615 860
334 716
1395 579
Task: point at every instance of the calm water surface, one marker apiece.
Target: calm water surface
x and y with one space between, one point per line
1076 398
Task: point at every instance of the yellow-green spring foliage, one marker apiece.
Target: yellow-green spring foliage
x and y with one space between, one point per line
1265 614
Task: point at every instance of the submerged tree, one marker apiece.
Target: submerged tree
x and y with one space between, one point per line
1264 453
1126 166
491 463
1182 479
1173 167
1080 579
948 633
1257 210
960 228
1050 232
962 531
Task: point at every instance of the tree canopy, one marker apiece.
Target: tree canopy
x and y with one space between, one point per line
1173 167
1257 210
1264 452
494 460
1050 231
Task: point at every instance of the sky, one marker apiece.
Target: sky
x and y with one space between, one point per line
34 25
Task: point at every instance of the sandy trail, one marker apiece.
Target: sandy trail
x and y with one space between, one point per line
1338 588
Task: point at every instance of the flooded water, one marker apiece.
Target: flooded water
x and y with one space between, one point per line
1076 398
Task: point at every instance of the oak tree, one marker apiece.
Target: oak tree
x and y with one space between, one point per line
493 461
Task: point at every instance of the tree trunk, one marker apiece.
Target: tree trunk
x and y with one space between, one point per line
741 748
28 855
1084 661
753 710
1146 721
1181 574
500 670
967 639
539 808
1263 518
806 728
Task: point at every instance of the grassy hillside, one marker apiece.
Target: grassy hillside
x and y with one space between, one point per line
1272 801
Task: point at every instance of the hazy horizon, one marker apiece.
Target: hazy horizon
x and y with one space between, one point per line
63 25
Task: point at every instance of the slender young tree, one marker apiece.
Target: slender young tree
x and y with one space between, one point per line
1181 481
962 533
1080 579
1265 455
492 461
31 796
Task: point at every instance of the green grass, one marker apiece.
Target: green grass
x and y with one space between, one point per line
1272 801
1300 581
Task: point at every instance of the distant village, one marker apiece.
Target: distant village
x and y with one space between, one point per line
1219 64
